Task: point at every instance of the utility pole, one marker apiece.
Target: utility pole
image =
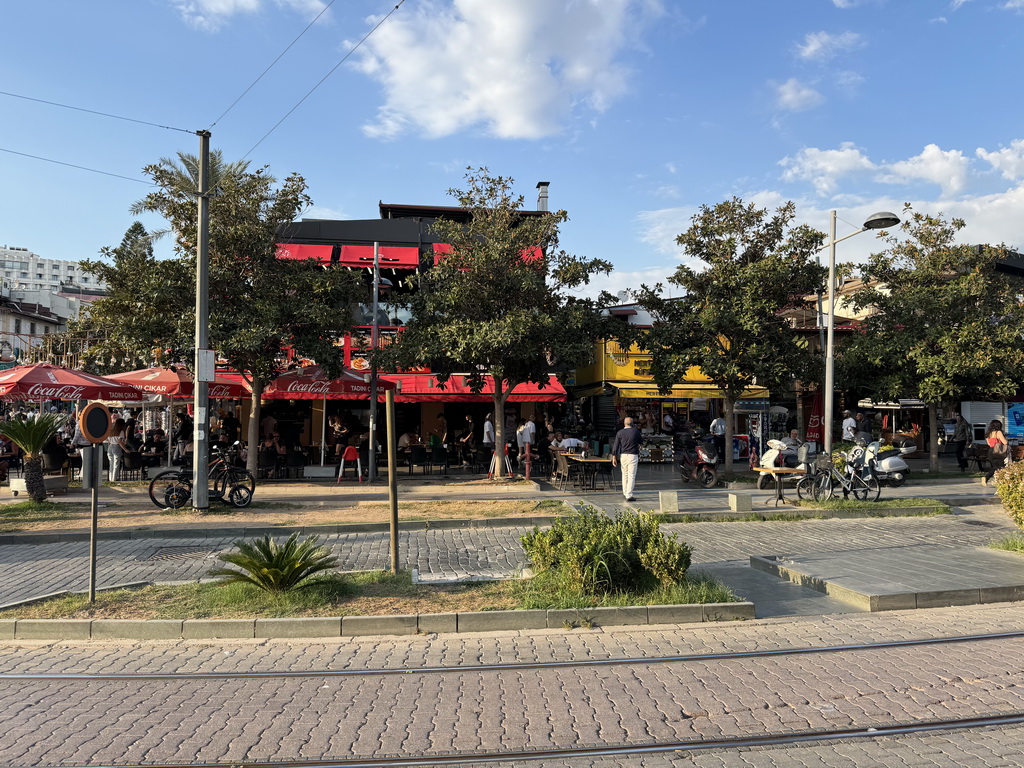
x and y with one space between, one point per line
371 472
203 362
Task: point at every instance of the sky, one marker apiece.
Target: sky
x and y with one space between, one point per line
637 112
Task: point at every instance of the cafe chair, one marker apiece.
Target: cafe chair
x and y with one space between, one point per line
131 466
295 462
439 458
418 457
351 454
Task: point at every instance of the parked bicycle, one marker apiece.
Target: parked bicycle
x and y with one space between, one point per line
858 479
228 484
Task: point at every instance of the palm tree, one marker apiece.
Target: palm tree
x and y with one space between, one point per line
31 436
181 177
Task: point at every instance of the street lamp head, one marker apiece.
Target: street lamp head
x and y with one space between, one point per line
881 220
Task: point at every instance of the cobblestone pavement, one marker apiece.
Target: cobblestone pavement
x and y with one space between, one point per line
68 722
30 570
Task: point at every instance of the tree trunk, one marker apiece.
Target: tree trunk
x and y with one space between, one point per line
500 396
933 438
253 433
34 485
729 406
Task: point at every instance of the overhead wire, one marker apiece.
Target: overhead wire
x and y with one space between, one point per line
271 66
95 112
324 78
72 165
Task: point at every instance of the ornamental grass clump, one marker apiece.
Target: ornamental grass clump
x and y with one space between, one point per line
593 553
276 567
1010 490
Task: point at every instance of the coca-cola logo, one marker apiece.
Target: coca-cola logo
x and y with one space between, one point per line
313 387
59 392
220 390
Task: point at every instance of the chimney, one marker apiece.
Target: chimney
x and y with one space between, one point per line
542 195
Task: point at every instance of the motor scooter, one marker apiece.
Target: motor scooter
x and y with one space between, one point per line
780 455
888 465
699 462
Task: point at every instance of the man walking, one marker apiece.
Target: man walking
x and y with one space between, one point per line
626 452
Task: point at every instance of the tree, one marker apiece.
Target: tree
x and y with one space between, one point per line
260 306
138 322
498 306
728 322
32 435
946 326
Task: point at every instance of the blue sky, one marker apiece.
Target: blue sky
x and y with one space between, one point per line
636 111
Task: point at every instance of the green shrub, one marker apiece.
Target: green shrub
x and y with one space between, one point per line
593 553
276 567
1010 489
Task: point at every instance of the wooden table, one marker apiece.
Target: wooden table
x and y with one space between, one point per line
590 465
777 473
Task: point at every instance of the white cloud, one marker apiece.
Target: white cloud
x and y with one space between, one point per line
957 3
794 96
823 167
1014 5
1009 160
209 15
518 68
946 169
821 46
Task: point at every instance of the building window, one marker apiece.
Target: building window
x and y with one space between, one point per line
85 279
32 329
39 276
17 325
46 329
24 274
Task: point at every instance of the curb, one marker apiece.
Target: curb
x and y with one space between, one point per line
808 512
274 530
356 626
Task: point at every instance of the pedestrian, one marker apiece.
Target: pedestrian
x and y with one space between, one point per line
961 432
998 448
849 426
717 429
488 441
115 449
626 453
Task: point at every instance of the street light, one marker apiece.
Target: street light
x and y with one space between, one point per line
880 220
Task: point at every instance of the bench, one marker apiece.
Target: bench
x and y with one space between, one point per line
978 455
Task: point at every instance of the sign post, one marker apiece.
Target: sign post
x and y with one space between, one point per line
94 422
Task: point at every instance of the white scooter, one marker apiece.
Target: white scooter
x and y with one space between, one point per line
778 455
888 466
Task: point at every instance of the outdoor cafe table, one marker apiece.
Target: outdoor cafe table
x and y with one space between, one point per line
778 473
590 466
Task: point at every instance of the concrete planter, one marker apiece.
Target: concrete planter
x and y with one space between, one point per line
54 484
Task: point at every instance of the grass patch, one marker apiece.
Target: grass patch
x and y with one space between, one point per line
14 516
853 505
1012 543
376 593
752 517
218 507
735 478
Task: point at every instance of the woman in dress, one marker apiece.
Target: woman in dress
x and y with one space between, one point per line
998 447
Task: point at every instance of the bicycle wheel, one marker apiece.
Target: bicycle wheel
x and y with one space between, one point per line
171 489
805 488
234 477
866 489
822 488
239 496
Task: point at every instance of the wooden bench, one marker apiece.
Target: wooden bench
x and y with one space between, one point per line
978 454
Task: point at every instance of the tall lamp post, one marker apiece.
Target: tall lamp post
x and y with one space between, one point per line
880 220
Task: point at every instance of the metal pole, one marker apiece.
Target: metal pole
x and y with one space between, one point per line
96 470
392 476
371 475
200 451
829 394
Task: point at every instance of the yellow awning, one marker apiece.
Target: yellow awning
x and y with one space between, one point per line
645 391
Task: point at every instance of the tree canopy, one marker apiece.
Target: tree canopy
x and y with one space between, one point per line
945 324
750 265
499 305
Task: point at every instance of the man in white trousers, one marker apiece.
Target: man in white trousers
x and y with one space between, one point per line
626 453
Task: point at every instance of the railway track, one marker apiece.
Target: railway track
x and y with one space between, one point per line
367 706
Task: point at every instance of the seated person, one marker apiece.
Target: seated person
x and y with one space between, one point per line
556 441
572 444
408 438
793 441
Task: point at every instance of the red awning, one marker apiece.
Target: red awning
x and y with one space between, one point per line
299 252
443 249
424 388
391 256
309 383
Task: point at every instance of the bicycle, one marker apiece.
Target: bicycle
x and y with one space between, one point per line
858 479
229 484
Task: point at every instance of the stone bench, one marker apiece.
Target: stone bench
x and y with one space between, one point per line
741 501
